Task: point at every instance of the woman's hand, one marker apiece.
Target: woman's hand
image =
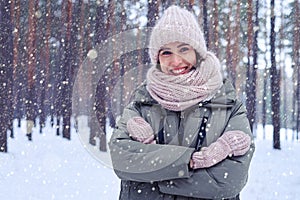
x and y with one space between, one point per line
239 142
140 130
235 143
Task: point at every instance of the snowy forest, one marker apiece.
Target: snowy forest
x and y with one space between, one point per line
61 59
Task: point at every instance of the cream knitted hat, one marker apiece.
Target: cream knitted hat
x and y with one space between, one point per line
176 25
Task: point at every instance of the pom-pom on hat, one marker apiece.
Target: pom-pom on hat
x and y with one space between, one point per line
176 25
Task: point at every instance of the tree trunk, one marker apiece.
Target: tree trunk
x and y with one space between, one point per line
152 13
123 64
31 63
15 14
101 34
58 72
97 122
115 66
255 63
81 33
67 75
235 46
230 37
215 30
297 63
266 79
205 23
6 63
17 67
275 83
81 50
100 26
104 109
251 67
45 80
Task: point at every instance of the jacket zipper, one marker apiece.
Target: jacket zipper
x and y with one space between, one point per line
181 128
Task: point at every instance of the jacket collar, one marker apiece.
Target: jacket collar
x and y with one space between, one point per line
225 97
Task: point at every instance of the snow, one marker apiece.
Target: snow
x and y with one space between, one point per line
51 167
274 174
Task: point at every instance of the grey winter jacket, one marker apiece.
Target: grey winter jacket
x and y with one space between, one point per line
161 171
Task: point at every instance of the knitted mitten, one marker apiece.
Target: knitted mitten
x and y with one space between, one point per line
140 130
235 143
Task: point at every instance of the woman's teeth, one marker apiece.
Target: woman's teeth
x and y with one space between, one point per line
178 71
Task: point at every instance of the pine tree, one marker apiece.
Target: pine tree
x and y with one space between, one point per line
275 83
6 71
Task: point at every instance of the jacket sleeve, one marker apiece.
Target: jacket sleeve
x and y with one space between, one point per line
140 162
224 180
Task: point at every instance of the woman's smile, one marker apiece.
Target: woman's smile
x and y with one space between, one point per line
180 70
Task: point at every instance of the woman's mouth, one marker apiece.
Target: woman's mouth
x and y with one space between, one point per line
181 70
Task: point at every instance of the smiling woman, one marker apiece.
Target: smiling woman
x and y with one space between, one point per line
184 135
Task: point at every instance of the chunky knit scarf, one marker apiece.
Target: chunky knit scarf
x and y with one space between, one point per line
179 92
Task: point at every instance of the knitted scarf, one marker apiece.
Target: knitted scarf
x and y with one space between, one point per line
179 92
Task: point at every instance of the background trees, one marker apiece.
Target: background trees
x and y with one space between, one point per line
44 43
6 72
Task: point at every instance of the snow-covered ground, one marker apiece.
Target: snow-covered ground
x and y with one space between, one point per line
51 167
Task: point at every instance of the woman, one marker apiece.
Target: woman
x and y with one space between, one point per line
184 135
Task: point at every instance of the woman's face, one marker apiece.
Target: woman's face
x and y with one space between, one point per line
177 58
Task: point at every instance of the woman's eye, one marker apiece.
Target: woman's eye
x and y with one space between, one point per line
166 53
184 49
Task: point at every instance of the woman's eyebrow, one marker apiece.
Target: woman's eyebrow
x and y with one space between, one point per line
182 44
164 48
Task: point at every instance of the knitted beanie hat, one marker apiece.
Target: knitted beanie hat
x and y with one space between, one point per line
176 25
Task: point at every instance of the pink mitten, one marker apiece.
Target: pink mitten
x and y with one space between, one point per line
140 130
231 142
238 141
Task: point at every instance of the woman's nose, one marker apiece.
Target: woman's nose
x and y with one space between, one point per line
176 59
